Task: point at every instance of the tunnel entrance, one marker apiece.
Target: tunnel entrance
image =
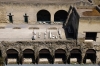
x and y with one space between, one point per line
28 56
90 56
75 56
45 57
43 16
60 16
0 54
12 57
60 56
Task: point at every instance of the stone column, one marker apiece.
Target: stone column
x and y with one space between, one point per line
52 18
97 57
37 59
19 58
53 56
83 55
4 56
67 57
36 56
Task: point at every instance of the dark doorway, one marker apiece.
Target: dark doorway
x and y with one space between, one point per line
60 55
0 54
76 53
60 16
43 16
90 54
28 54
12 54
44 54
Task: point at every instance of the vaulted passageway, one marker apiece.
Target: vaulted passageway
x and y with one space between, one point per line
75 56
90 56
12 57
28 56
44 16
60 16
60 56
44 57
0 54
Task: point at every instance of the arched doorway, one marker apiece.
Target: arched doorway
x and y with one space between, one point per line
0 54
28 56
60 56
12 56
44 57
90 56
43 16
60 16
75 56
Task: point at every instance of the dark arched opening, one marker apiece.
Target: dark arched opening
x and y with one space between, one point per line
0 54
90 56
60 16
12 56
75 56
60 56
44 57
43 16
28 56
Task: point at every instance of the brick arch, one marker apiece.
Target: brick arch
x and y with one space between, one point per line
60 15
27 48
44 47
90 50
75 53
90 54
75 50
0 54
61 54
44 50
60 49
13 49
43 15
12 53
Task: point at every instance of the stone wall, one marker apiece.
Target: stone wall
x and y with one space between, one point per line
18 11
52 46
89 24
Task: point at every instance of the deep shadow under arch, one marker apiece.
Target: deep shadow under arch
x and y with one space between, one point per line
12 53
29 53
44 15
0 54
60 53
76 53
60 16
90 54
44 53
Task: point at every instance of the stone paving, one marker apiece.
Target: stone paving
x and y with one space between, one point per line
45 32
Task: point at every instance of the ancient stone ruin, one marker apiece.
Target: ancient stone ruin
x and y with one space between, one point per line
50 31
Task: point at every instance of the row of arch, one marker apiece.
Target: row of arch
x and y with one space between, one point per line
44 15
59 56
